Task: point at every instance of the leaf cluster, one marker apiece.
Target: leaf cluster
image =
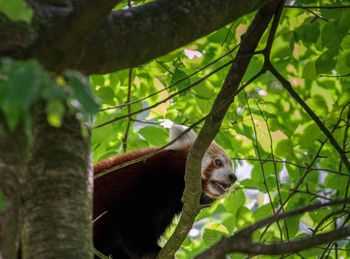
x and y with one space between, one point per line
283 160
18 93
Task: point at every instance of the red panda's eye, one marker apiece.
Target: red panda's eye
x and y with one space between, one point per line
218 162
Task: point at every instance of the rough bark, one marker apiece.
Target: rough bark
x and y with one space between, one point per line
15 36
131 37
54 52
57 192
12 164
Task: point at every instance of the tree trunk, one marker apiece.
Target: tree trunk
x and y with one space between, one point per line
57 191
12 164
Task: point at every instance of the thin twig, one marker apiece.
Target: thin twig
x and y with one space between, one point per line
291 163
317 7
242 240
227 34
249 230
275 168
145 122
313 194
273 30
143 158
167 69
316 15
165 99
346 75
125 139
261 164
174 84
99 254
286 84
308 170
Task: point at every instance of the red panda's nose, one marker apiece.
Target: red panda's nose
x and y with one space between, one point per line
232 177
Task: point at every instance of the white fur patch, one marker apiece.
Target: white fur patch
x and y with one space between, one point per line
184 141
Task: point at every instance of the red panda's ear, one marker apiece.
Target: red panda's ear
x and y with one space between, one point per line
184 141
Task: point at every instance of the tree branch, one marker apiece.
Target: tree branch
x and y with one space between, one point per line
241 241
318 7
173 84
126 134
13 157
322 127
54 47
59 159
212 125
133 36
261 164
165 99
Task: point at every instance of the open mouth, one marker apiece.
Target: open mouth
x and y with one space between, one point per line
220 187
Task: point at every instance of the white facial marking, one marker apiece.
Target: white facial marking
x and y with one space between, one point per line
217 168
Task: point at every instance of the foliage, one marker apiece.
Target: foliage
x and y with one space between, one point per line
18 93
288 163
16 10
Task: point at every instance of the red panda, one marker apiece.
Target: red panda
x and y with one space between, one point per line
134 205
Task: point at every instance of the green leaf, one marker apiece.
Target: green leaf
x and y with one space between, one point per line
213 233
263 212
253 68
326 62
347 62
54 112
19 91
249 183
284 148
292 226
310 31
234 201
156 136
330 36
336 182
219 36
318 215
309 71
81 93
309 135
106 94
16 10
178 75
320 102
97 80
205 90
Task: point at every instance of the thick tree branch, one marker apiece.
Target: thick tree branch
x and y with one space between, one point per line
57 191
14 35
133 36
212 125
54 47
244 245
13 154
242 242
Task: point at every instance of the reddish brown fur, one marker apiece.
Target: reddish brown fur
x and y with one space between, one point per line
133 205
140 199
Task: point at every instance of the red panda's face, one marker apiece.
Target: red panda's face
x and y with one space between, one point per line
217 172
217 167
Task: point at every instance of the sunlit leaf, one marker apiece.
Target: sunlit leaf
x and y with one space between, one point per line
17 10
